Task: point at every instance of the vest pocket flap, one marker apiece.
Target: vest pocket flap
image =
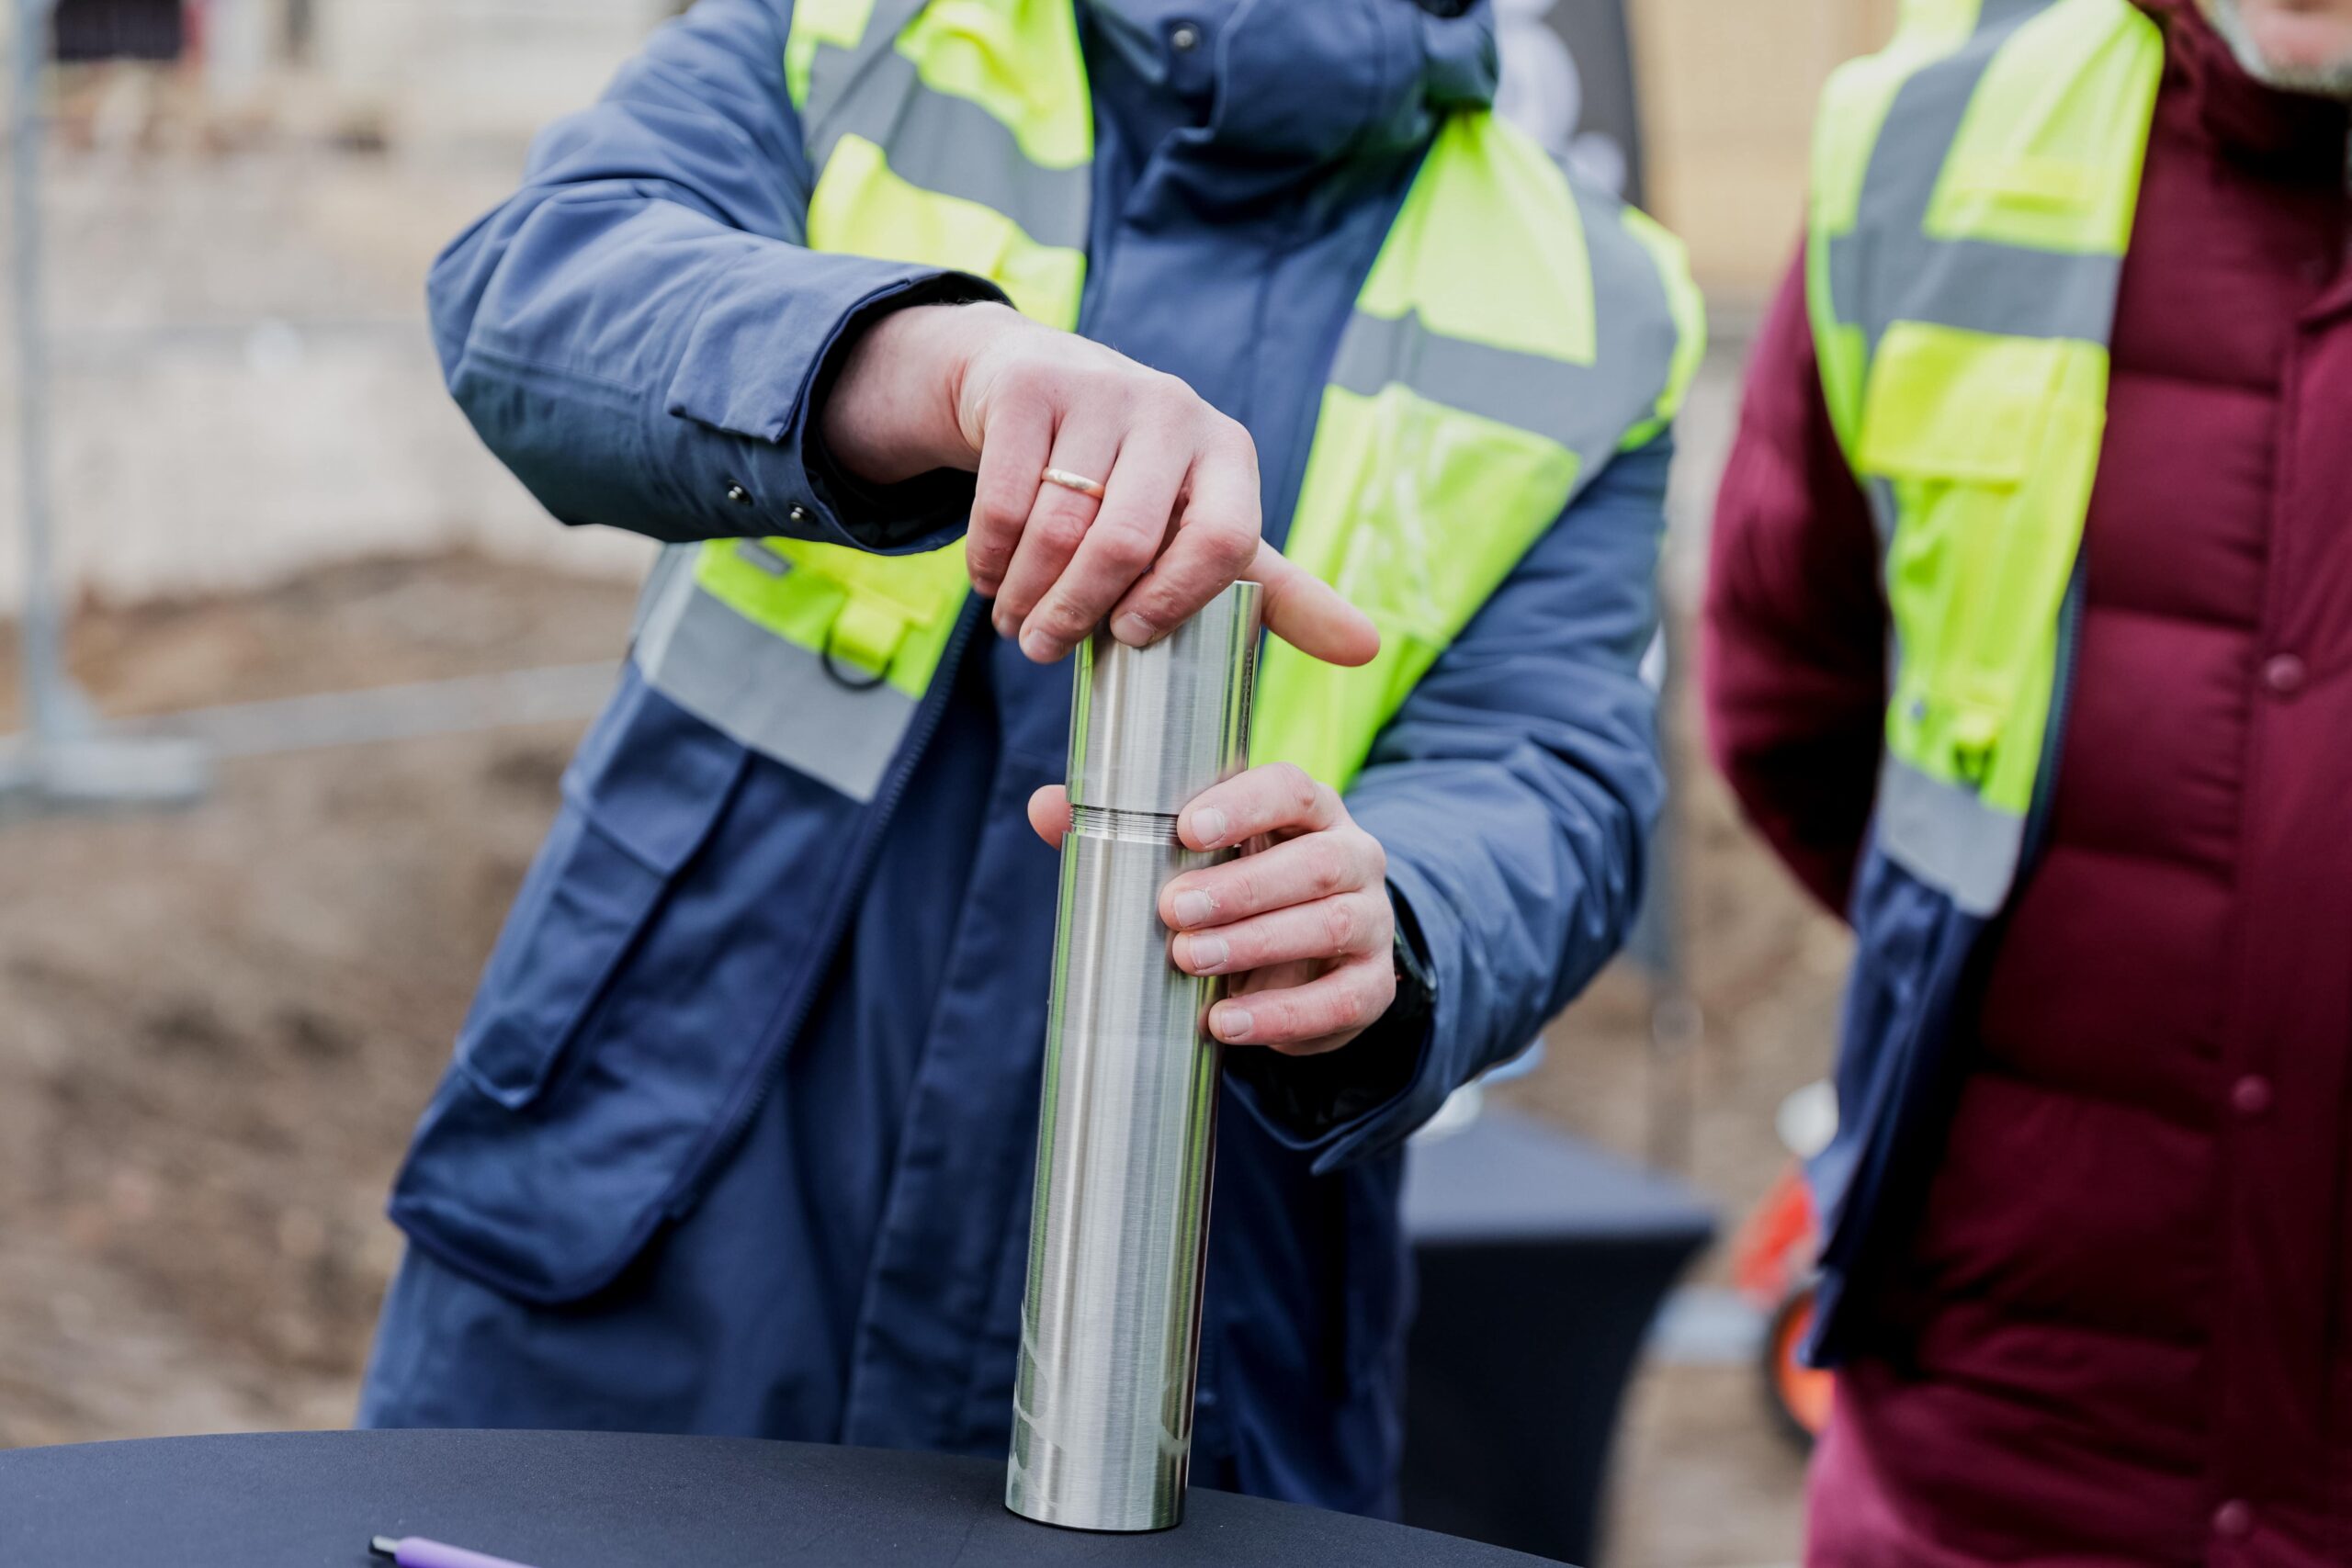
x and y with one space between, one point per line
1942 403
2060 184
632 817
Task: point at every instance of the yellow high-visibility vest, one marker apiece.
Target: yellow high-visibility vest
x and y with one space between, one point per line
1973 186
1476 387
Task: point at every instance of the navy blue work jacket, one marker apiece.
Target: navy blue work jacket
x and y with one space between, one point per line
740 1134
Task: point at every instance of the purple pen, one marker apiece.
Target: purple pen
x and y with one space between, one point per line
415 1552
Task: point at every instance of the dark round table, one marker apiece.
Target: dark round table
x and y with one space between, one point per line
602 1500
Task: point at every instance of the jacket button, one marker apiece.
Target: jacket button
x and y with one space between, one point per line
2250 1096
797 514
2283 675
2234 1520
1184 37
738 495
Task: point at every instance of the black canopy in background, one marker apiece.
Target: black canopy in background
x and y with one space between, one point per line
119 30
1568 80
1542 1262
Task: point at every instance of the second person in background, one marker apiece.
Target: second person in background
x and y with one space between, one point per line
2056 411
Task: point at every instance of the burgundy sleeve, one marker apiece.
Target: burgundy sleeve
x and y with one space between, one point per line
1793 651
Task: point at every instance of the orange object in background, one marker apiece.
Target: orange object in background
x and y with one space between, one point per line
1772 1263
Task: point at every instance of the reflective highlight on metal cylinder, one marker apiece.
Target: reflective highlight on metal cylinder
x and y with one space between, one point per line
1109 1329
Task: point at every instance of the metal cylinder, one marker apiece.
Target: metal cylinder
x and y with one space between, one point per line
1118 1230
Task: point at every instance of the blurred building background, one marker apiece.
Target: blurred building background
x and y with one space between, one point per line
1727 90
238 241
216 1026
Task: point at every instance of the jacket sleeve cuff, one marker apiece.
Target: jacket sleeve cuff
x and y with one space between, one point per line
1370 1093
761 354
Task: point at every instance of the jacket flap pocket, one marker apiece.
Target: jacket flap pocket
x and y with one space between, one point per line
1946 405
633 815
623 1029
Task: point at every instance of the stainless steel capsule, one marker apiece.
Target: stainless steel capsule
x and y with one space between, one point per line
1118 1230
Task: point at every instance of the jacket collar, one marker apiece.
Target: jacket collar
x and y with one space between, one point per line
1308 81
2291 135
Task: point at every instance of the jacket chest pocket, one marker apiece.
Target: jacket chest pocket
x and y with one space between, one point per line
674 922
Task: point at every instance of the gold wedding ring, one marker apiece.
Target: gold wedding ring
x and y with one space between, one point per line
1078 483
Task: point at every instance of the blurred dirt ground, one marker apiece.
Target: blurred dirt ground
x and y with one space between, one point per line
217 1026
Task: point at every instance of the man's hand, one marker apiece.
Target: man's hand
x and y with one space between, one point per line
982 387
1302 923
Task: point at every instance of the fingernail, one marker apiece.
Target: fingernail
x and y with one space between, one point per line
1208 954
1039 647
1208 827
1003 622
1134 630
1192 908
1230 1022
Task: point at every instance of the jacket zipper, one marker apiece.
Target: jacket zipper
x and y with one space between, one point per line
779 1044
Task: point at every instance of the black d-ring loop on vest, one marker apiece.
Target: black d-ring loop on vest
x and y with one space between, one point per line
863 682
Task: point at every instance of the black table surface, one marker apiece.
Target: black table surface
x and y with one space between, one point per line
603 1500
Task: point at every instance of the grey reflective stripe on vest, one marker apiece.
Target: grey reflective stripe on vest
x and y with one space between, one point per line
1978 286
934 140
772 696
1531 391
1585 408
673 560
834 70
1942 834
1636 335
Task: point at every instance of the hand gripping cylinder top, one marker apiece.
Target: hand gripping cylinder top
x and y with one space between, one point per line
1118 1231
